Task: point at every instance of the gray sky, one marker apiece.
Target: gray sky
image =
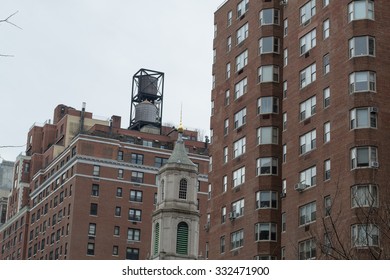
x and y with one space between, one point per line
75 51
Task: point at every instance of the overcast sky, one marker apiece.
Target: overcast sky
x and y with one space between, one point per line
74 51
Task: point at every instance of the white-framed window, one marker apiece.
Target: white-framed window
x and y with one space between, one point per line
210 164
307 142
326 63
240 118
284 187
325 3
266 200
133 234
327 169
211 136
327 205
223 214
269 44
225 126
307 11
215 30
285 27
307 108
239 147
224 183
209 192
285 85
307 213
364 157
266 166
285 57
284 222
228 70
267 105
237 239
213 82
241 60
364 235
364 196
214 55
326 94
284 158
362 81
268 73
238 208
227 97
222 244
307 75
229 44
238 176
285 121
307 249
225 155
308 177
212 107
267 135
308 41
229 18
361 9
240 88
269 16
326 132
363 117
242 33
326 29
242 7
361 46
265 232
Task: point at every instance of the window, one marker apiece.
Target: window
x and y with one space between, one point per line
268 73
95 190
285 57
285 27
326 94
159 162
239 177
238 208
224 183
242 33
210 163
307 249
229 44
214 55
118 211
227 98
96 170
362 81
266 200
240 118
284 187
241 60
308 177
265 232
284 121
326 132
267 135
307 108
183 189
284 153
267 105
361 9
307 213
115 250
134 214
363 117
307 142
223 215
307 11
269 45
120 155
135 196
225 155
182 239
237 239
240 88
364 235
133 234
242 7
137 177
137 158
162 190
326 63
364 196
284 89
308 75
362 157
327 169
283 221
229 18
215 30
120 173
116 230
326 29
361 46
92 229
327 205
222 244
227 73
91 249
325 3
132 254
267 166
239 147
269 16
226 127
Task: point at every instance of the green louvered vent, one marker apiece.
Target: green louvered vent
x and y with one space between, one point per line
182 239
156 238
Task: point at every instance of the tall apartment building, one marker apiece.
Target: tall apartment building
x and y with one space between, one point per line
87 188
299 125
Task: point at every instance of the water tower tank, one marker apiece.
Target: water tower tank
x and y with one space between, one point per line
146 112
148 84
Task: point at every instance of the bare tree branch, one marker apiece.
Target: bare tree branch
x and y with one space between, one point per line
6 20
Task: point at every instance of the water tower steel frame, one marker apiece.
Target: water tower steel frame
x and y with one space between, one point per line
147 85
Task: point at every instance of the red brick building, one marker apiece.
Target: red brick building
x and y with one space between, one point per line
299 126
86 188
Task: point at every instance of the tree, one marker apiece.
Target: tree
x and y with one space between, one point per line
7 21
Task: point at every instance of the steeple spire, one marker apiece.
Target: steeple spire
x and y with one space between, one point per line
181 129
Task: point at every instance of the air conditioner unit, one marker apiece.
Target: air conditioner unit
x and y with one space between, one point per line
232 215
299 187
282 194
206 227
373 109
374 164
283 2
307 22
